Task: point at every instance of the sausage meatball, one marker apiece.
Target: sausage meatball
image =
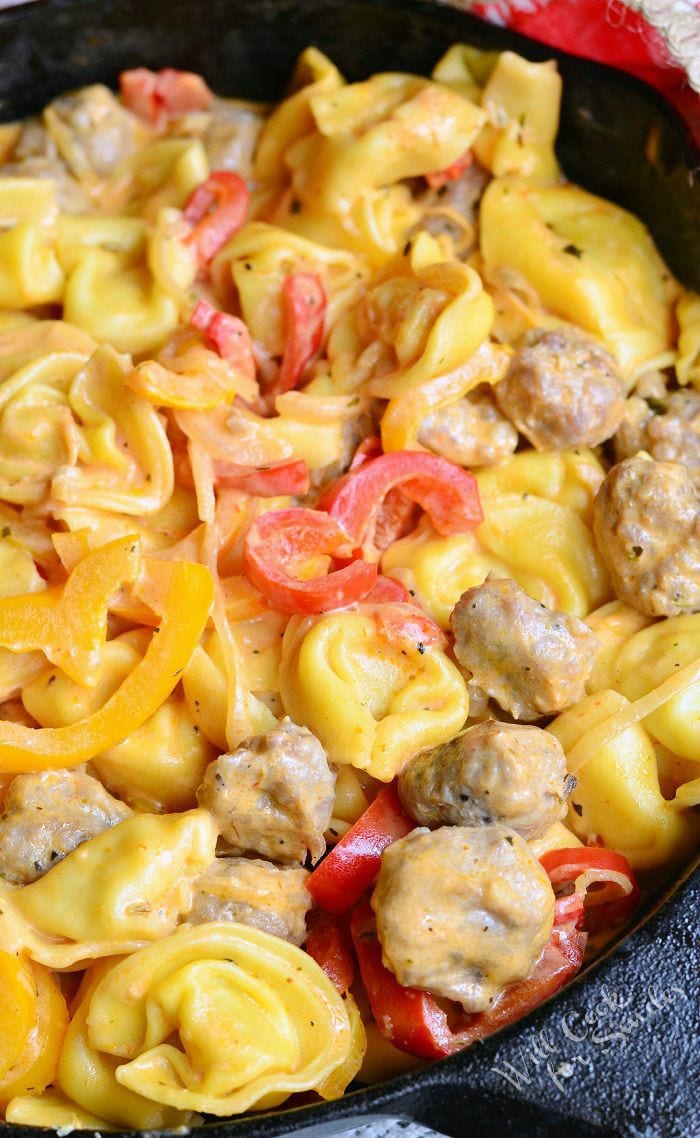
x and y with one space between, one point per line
35 156
232 135
47 815
471 431
462 911
92 130
646 520
70 196
269 897
532 660
672 435
562 391
462 194
273 795
506 773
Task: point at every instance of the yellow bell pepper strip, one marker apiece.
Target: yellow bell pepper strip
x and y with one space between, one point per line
17 1009
69 622
199 391
196 377
181 593
35 1067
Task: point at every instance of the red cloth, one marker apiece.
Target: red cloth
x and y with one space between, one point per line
607 31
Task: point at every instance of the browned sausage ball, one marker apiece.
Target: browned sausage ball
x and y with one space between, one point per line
646 520
533 661
270 897
470 431
562 391
462 911
47 815
671 434
508 773
273 795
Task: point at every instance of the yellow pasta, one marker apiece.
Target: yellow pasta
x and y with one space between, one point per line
260 256
617 796
536 508
51 1109
591 263
465 69
88 1076
257 1015
688 362
373 134
424 317
143 312
648 658
521 100
160 175
160 765
114 893
371 705
292 119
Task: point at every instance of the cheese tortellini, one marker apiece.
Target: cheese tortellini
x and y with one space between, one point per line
217 1018
536 530
372 703
129 885
591 263
648 658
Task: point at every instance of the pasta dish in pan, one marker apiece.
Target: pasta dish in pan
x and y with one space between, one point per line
350 591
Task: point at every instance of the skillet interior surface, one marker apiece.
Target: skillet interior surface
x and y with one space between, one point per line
618 138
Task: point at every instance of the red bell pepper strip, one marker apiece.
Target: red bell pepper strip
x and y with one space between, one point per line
569 908
601 910
371 447
137 88
397 623
409 1018
228 334
446 492
305 311
450 173
182 91
275 550
281 478
396 517
560 961
216 209
153 95
388 589
407 626
397 514
413 1020
344 874
327 941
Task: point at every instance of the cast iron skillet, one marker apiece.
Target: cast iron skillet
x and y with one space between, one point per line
612 1055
